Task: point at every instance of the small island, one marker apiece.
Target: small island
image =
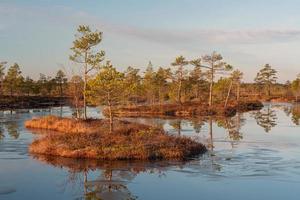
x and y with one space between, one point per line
184 110
75 138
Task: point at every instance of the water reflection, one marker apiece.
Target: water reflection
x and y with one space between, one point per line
239 153
1 133
177 125
197 124
113 176
296 114
266 118
11 128
233 125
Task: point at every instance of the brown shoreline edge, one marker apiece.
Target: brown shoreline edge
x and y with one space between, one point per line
91 139
31 102
185 110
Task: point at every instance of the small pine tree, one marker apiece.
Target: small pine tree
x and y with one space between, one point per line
266 77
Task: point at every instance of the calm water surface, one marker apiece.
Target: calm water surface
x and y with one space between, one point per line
253 155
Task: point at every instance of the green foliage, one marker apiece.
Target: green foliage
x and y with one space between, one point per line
61 81
2 74
215 65
132 84
179 75
85 40
295 86
84 52
221 87
27 85
266 77
13 79
107 86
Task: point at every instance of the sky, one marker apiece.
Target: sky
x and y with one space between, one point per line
38 34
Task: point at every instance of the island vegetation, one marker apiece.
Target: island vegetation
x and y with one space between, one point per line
92 139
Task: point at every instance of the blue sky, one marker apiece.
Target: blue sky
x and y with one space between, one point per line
38 34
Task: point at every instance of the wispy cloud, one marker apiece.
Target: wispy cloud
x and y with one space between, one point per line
208 36
67 15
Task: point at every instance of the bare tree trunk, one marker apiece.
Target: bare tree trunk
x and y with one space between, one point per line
85 86
110 114
61 89
179 88
228 94
238 92
211 87
159 96
211 134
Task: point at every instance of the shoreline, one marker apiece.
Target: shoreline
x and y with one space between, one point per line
31 102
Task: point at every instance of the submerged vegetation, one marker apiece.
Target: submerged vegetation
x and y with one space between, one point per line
92 139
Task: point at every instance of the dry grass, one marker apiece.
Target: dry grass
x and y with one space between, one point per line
91 139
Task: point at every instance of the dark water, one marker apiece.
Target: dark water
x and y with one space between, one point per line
254 155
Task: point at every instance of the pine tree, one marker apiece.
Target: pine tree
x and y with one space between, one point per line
61 81
2 74
215 64
84 53
180 73
13 79
266 77
106 88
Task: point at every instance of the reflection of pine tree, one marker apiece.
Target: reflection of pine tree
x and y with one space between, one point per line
1 133
12 129
176 124
296 114
197 124
287 110
233 126
266 118
110 185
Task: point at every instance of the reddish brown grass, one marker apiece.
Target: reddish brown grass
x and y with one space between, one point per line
91 139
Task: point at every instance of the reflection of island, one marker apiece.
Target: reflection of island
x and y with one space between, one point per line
266 118
114 176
